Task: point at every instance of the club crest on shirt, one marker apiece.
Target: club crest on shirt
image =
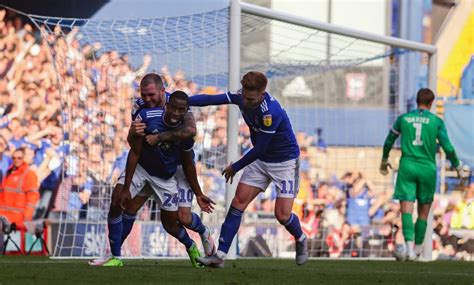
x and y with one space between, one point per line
164 146
267 120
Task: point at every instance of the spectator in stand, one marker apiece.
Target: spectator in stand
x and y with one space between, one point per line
311 220
318 141
19 194
8 110
50 149
244 139
359 193
305 193
463 215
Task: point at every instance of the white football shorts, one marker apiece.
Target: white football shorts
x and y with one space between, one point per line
285 176
165 191
185 194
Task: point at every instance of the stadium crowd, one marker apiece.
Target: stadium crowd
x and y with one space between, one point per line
65 109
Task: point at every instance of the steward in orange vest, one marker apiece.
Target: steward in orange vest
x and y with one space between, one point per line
19 191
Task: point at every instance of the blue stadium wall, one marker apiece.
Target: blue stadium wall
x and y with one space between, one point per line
342 126
459 120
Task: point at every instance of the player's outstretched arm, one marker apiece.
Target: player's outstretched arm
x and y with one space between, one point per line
210 100
185 131
189 169
262 142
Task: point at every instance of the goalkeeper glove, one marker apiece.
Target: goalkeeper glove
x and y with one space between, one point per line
384 165
463 171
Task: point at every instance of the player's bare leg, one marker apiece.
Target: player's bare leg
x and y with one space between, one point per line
291 222
115 209
170 222
130 213
184 216
243 196
114 221
192 221
128 219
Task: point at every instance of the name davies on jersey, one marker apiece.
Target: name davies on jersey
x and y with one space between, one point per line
421 120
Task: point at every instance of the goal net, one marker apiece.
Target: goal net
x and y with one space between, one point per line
99 64
341 93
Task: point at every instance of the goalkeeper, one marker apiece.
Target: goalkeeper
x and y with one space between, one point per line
420 130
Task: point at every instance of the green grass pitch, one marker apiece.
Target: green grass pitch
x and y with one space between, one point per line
41 270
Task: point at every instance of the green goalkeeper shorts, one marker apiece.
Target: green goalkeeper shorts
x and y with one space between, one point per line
415 181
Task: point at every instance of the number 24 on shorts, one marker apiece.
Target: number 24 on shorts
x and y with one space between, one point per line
170 199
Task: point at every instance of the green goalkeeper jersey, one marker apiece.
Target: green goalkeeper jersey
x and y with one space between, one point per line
420 130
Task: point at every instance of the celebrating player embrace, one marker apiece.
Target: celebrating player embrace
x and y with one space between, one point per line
154 169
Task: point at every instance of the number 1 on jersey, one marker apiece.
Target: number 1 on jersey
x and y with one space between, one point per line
418 128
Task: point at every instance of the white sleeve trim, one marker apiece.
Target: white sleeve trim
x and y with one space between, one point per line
228 98
189 149
395 132
268 132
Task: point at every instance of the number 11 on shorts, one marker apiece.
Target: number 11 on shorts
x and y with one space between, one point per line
287 187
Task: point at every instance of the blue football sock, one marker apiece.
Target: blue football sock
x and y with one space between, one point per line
115 234
196 224
293 226
229 229
127 222
184 238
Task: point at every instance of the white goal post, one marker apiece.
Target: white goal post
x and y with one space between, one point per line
234 70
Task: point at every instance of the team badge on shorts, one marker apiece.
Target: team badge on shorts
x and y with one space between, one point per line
267 120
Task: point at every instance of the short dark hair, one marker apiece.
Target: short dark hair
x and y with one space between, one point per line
152 78
424 96
254 80
179 95
22 150
348 173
